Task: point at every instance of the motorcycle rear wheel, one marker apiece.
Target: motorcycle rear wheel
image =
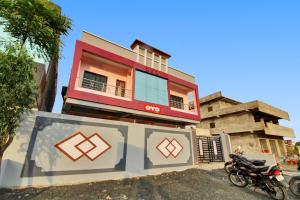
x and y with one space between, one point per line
238 180
227 167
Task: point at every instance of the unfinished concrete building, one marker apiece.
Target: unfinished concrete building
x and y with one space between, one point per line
254 125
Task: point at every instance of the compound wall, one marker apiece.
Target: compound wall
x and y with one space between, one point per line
56 149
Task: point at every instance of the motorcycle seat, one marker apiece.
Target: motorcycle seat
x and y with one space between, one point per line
258 162
261 168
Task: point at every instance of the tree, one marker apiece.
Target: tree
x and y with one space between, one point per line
17 89
40 24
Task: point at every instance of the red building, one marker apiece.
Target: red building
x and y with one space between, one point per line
134 85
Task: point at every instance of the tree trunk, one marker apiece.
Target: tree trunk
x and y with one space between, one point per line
2 149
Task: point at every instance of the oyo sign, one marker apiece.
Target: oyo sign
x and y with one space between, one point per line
151 108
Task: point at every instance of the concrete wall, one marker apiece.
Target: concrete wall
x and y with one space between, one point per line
239 122
180 74
56 149
248 142
107 45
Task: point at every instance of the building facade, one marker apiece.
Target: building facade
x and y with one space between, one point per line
254 126
133 85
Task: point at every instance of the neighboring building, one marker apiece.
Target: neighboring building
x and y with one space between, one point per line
134 85
254 125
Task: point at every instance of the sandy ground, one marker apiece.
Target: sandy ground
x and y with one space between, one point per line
190 184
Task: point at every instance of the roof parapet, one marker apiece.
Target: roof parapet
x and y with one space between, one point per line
217 96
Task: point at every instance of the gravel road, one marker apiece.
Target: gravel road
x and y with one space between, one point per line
190 184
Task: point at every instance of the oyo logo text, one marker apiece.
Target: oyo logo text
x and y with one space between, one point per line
167 147
153 109
79 145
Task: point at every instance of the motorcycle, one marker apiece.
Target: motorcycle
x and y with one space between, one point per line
228 166
267 178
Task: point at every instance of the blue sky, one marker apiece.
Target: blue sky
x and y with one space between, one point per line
247 49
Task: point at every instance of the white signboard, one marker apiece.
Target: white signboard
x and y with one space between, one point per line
200 147
215 148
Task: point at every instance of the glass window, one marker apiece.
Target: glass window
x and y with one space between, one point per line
210 109
176 102
151 88
156 57
142 51
163 68
141 59
149 62
94 81
163 60
149 54
212 125
156 65
120 88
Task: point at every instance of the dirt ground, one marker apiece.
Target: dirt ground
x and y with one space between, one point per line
190 184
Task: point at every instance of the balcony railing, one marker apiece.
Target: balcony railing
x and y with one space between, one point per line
111 90
182 106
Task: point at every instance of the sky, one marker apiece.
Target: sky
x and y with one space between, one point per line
249 50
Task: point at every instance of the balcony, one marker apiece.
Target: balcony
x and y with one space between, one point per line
107 90
180 106
246 126
274 129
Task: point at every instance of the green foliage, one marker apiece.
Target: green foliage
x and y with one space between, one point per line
40 24
17 88
37 21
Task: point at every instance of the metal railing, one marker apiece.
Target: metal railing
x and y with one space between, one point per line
108 89
180 105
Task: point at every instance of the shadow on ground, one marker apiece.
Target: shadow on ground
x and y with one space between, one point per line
189 184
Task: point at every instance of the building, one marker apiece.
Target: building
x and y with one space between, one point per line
254 125
133 85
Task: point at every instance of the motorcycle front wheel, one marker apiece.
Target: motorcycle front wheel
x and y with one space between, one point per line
278 191
237 179
295 186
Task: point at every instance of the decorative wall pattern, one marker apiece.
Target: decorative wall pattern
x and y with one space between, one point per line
51 149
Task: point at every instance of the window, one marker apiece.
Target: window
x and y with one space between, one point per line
141 55
156 61
142 51
141 59
94 81
149 58
120 88
177 102
151 88
210 109
191 105
149 54
212 125
191 98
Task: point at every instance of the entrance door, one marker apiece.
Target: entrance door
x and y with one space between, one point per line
210 149
120 88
